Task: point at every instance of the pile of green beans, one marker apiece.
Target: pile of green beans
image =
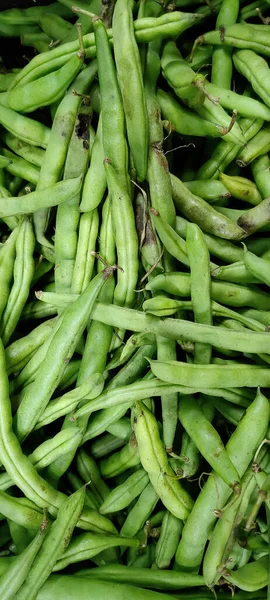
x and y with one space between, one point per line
134 301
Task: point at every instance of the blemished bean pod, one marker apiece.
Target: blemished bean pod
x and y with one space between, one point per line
155 461
241 448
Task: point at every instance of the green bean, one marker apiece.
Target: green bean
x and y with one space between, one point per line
140 512
179 328
158 170
40 41
235 273
7 260
255 69
99 422
54 544
222 66
155 461
121 496
89 472
180 76
230 294
250 577
57 148
22 273
157 579
223 249
59 353
68 216
239 35
31 153
87 545
224 154
197 210
55 26
211 375
207 440
26 129
242 188
31 15
95 181
75 483
120 461
130 80
47 452
168 540
19 352
105 445
261 173
34 201
223 534
59 407
258 266
50 88
21 167
6 79
258 145
245 106
200 286
18 570
184 121
240 447
209 190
